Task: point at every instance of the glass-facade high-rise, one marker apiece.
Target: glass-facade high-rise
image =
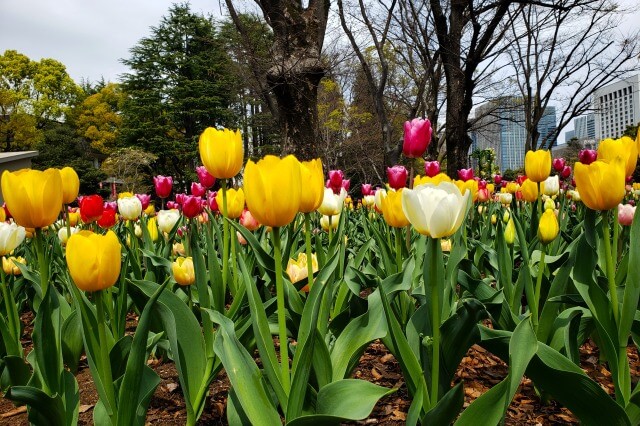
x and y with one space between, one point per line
501 126
617 106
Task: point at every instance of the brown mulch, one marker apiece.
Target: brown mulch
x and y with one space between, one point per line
479 369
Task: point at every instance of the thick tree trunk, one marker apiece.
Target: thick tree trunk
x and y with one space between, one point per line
457 137
296 93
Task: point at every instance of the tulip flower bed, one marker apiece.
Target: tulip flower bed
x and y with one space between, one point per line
284 301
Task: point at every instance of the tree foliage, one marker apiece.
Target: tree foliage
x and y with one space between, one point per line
133 167
180 83
98 119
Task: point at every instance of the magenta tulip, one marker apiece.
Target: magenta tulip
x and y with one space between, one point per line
566 172
204 177
587 156
465 174
366 189
191 206
163 185
497 179
172 205
197 189
397 176
211 200
558 164
145 199
417 136
431 168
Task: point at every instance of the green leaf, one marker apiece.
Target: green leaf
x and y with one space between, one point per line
447 408
492 405
632 287
347 399
44 409
244 375
72 340
264 259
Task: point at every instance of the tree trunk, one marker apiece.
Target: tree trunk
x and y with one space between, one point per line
456 131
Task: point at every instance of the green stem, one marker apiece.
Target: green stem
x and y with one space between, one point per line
12 314
408 228
282 319
398 249
104 370
435 320
616 234
42 261
234 284
611 271
307 238
225 236
330 228
536 301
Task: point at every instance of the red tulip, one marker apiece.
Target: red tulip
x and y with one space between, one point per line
197 189
520 179
145 199
91 208
335 180
366 189
497 179
211 200
431 168
397 176
204 177
558 164
587 156
465 174
163 185
180 198
191 206
566 172
482 184
108 218
417 136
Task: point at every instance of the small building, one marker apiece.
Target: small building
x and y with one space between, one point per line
13 161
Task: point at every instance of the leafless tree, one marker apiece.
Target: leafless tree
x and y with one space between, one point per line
561 53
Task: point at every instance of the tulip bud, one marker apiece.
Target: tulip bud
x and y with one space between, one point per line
397 176
163 185
510 232
431 168
64 236
241 239
558 164
9 265
417 136
465 174
494 219
548 227
626 212
183 271
549 204
248 221
551 186
70 185
497 179
506 216
587 156
366 189
178 249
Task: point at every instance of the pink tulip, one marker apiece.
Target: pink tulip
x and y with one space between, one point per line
248 221
497 179
397 176
173 205
558 164
145 199
417 136
431 168
163 185
346 184
197 189
482 184
204 177
181 198
626 212
465 174
191 206
483 195
587 156
366 189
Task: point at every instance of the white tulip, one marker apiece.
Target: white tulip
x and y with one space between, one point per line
167 219
11 236
64 236
332 203
435 210
129 208
551 186
505 198
379 195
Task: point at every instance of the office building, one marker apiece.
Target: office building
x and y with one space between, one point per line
501 126
585 127
617 106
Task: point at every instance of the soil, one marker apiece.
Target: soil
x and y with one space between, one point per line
479 369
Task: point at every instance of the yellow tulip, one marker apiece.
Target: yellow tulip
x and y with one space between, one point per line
9 265
511 188
70 185
601 184
445 245
94 260
471 185
298 270
625 148
548 227
313 191
221 152
510 232
178 249
392 209
152 226
183 271
491 188
537 165
34 198
74 218
235 202
150 210
529 190
440 177
272 189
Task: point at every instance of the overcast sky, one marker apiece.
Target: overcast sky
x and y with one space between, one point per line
89 37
